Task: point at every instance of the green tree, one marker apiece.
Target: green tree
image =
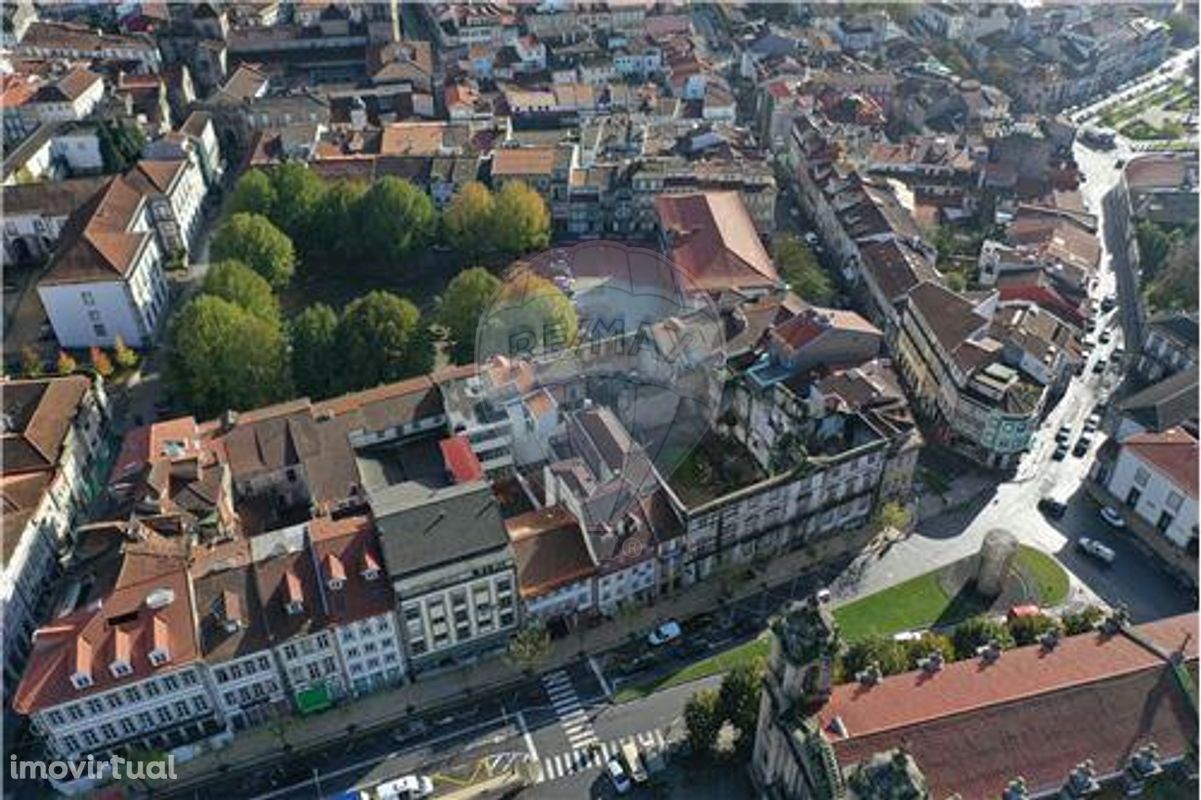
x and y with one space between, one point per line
101 364
125 356
298 194
334 224
65 364
223 357
1174 287
315 360
923 647
1154 245
798 267
703 719
253 240
395 218
529 648
242 286
379 340
468 223
121 145
520 220
1184 27
739 699
891 515
253 194
1082 621
889 655
31 363
1026 630
464 302
977 632
528 315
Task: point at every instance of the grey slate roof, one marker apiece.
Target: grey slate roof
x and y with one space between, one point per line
1165 404
421 529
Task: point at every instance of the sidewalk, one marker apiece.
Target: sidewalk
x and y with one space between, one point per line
382 709
964 490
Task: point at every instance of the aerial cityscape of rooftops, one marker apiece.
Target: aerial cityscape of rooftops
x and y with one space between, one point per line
555 399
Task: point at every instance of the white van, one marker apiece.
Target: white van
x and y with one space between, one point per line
629 753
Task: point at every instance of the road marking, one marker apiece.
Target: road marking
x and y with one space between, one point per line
600 676
579 759
529 740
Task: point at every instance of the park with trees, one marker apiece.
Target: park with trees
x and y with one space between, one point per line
323 287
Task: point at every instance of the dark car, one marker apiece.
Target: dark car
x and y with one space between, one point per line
1081 447
1061 452
1108 303
1052 508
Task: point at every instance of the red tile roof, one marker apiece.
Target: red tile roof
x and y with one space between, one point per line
122 625
714 242
1173 452
347 548
972 727
550 551
461 462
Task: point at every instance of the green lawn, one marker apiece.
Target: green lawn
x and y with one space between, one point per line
713 665
922 602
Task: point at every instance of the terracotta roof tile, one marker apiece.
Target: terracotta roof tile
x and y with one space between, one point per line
1173 452
713 240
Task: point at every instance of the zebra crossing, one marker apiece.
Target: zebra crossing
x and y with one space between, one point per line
594 757
567 706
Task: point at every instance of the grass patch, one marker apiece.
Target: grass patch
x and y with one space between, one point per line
713 665
924 602
1051 582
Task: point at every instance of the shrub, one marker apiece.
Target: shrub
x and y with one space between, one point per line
65 364
125 356
1026 630
1082 621
100 362
976 632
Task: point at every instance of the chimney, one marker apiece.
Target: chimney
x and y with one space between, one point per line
293 594
81 678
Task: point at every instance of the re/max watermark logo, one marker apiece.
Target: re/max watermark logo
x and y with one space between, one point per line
112 768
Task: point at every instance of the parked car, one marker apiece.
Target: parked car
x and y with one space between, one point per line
1052 508
822 595
1082 445
1061 452
1092 423
1113 517
1108 302
1064 433
1099 366
667 632
409 787
1106 337
617 774
1095 549
811 238
633 762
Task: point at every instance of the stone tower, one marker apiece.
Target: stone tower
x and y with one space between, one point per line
791 757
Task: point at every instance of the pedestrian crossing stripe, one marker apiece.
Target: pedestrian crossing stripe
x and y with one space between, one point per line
580 759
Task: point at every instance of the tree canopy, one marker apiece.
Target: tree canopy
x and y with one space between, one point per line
521 220
298 193
739 699
798 267
468 224
703 719
334 222
465 300
253 240
315 360
380 339
223 357
395 219
234 281
253 194
529 314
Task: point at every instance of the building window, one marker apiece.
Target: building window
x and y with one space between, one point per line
100 331
88 298
1141 476
1164 522
1174 501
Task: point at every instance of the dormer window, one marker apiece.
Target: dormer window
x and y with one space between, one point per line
371 569
293 594
371 573
161 652
335 573
120 669
81 681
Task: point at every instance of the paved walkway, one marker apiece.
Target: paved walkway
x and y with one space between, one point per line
293 735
